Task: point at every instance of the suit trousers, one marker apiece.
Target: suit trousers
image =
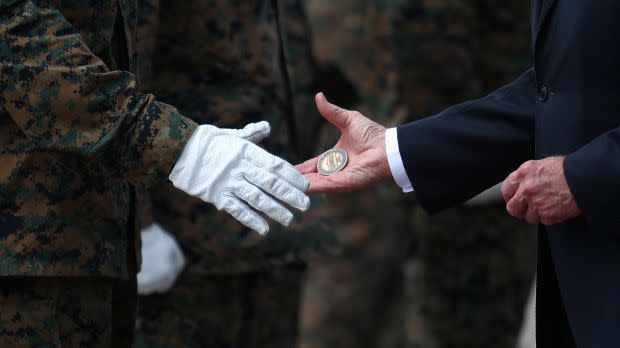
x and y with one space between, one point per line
552 327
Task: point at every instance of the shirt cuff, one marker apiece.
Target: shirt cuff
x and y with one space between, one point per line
395 161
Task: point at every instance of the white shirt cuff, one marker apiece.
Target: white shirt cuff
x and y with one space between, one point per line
395 161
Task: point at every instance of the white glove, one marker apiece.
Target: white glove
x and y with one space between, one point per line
219 167
253 132
162 261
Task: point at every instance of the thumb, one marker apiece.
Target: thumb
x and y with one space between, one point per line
253 132
308 166
336 115
256 132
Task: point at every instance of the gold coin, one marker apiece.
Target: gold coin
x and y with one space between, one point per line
332 161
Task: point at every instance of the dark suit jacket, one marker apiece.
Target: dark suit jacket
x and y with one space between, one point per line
568 104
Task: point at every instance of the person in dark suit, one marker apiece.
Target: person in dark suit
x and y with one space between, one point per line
553 136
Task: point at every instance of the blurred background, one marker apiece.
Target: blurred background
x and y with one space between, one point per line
365 269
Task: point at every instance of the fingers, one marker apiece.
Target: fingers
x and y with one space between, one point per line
245 215
277 166
308 166
256 132
278 188
177 258
334 114
531 216
146 283
260 201
327 184
517 206
253 132
510 187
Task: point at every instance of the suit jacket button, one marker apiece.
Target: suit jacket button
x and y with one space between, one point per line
543 94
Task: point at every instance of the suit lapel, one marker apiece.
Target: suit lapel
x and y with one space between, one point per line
539 16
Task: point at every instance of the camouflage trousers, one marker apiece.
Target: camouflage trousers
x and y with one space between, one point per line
66 312
252 310
349 304
458 279
349 297
468 280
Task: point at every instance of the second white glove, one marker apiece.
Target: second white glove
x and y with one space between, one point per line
162 261
238 177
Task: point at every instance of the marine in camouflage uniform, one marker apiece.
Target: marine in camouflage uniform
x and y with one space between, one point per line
230 63
74 131
468 270
349 298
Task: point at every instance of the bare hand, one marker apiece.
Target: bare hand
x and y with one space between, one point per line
538 193
363 139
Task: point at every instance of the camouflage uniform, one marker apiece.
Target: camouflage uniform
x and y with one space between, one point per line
66 312
468 271
230 63
349 297
74 132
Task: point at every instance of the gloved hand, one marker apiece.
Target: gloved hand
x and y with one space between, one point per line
162 261
253 132
222 168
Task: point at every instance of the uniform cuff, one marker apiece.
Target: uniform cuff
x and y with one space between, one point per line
395 161
157 142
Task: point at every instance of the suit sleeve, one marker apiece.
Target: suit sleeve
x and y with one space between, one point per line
593 176
66 99
468 148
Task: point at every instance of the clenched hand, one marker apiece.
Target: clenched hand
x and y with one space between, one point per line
538 193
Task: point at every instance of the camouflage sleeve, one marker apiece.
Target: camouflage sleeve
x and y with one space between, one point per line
64 98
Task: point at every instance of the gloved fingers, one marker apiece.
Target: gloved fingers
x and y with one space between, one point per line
256 132
278 188
150 235
253 132
157 277
159 283
277 166
261 201
178 259
147 282
245 215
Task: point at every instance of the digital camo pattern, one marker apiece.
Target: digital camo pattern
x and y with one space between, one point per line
255 309
349 299
73 132
467 273
66 312
230 63
452 50
355 41
468 282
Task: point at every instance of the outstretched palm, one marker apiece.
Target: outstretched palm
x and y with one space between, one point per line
364 141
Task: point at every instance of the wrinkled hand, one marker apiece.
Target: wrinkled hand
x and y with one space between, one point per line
162 261
221 167
363 139
538 193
